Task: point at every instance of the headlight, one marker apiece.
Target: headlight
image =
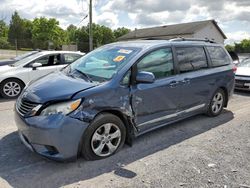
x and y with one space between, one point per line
63 108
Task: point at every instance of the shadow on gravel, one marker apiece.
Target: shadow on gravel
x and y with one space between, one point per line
242 93
5 100
21 168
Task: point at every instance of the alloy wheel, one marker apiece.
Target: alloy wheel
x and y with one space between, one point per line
106 139
12 89
217 102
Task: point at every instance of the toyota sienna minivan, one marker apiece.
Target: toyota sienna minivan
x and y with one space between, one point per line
120 91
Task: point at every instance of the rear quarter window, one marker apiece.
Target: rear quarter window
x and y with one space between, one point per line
218 56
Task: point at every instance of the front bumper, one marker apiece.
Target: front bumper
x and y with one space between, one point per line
56 137
242 83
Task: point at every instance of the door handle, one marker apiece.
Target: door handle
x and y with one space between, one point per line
173 84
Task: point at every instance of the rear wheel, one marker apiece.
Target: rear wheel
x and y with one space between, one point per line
217 103
104 137
11 88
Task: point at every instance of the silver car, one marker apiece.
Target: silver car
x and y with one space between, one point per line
242 77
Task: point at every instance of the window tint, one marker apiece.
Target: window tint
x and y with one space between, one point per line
159 62
191 58
70 58
49 60
218 56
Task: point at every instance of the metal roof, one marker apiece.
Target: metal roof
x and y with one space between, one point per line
170 31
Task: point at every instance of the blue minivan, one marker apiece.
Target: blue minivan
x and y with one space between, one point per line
120 91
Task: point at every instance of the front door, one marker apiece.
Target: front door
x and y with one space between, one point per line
50 63
156 103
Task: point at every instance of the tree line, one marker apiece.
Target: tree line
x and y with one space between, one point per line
242 47
44 33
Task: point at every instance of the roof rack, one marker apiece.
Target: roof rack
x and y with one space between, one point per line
192 39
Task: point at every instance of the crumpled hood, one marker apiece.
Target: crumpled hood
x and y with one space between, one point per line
55 86
243 71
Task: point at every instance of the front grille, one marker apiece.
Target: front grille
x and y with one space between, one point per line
241 84
24 106
242 81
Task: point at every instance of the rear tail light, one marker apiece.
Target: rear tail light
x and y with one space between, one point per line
234 69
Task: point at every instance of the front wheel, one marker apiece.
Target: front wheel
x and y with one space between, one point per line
217 103
104 137
11 88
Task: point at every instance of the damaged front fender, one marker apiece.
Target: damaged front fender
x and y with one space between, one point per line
116 101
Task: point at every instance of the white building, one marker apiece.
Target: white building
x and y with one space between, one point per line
208 29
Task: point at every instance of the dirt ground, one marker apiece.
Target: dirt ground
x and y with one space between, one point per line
197 152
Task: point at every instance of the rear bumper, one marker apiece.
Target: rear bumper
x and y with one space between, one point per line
56 137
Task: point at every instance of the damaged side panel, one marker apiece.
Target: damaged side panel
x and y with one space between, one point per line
115 100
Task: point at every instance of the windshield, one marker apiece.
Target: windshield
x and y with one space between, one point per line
24 55
26 59
244 63
101 64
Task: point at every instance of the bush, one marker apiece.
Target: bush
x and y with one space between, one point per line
4 44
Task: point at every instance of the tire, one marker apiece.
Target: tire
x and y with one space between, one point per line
11 88
217 103
98 144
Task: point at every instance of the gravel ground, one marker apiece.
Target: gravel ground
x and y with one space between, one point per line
197 152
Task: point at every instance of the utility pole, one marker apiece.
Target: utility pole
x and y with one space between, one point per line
90 27
16 46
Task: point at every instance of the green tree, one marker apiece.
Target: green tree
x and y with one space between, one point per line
4 35
27 34
120 32
16 29
71 33
245 45
46 33
3 29
230 48
82 39
102 35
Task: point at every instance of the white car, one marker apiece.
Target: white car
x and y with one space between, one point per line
242 75
13 78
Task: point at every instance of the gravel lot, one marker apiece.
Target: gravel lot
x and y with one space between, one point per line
198 152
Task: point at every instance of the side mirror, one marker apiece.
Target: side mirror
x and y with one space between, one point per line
145 77
36 65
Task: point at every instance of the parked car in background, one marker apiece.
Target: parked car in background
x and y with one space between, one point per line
242 77
120 91
14 77
242 57
15 59
234 57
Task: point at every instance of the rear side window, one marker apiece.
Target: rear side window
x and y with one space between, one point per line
191 58
218 56
159 62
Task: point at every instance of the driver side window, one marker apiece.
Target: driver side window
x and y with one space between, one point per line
49 60
159 62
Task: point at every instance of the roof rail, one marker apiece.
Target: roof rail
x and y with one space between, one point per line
193 39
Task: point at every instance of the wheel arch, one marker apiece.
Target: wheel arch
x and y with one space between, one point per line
13 78
226 95
126 120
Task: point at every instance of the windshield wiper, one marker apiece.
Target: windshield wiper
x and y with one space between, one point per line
83 74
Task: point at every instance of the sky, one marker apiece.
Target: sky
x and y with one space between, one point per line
233 16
